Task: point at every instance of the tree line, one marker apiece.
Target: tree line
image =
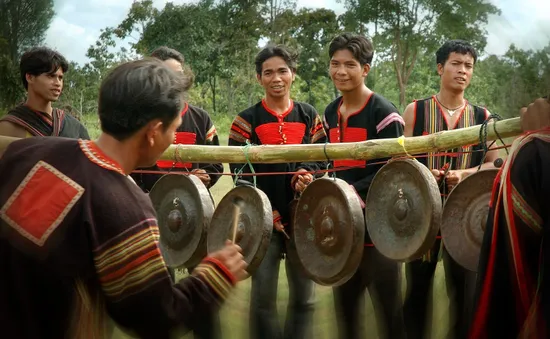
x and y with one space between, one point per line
220 38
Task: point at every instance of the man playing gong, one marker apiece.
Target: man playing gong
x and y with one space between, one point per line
278 120
359 115
512 296
446 110
196 128
79 241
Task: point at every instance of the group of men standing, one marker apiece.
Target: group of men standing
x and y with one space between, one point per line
359 114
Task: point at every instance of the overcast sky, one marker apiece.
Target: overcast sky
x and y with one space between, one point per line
77 23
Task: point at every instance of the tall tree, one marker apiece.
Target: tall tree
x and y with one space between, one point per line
23 24
401 29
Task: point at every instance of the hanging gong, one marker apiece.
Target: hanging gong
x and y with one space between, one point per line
465 216
184 208
290 245
254 224
329 231
403 210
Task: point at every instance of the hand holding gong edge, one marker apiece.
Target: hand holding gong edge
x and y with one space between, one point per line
535 116
201 174
231 257
303 180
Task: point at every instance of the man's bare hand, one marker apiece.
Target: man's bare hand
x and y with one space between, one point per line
201 174
278 226
438 174
231 257
535 116
453 178
303 180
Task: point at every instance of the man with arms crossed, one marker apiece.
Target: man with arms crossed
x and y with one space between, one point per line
42 71
278 120
359 115
79 241
444 111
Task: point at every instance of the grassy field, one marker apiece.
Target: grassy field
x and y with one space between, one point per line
234 313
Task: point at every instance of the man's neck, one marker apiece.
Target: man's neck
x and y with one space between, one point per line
356 98
123 153
279 105
450 99
37 103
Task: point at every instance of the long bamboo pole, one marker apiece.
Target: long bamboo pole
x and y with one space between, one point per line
372 149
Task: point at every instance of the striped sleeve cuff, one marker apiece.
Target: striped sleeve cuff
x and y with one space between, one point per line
216 275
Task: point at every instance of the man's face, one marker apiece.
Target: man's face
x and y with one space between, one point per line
158 141
46 85
457 71
346 71
276 77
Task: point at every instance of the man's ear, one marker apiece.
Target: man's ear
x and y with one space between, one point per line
366 70
152 130
259 78
440 69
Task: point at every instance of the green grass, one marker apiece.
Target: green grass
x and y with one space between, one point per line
234 313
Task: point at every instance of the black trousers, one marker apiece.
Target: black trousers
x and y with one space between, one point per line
460 286
382 277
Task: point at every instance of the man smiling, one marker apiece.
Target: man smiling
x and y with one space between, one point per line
278 120
358 115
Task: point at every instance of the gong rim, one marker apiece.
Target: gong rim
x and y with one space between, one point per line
252 237
465 215
390 210
331 252
187 246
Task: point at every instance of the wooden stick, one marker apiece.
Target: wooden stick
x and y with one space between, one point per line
372 149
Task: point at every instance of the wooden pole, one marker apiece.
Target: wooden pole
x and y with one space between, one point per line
372 149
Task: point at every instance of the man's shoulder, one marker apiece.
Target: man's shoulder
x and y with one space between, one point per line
198 111
251 111
382 103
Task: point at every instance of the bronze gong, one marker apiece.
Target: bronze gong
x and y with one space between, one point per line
403 210
254 225
465 216
328 231
184 209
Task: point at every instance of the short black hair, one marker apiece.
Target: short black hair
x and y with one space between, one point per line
270 51
40 60
164 53
454 46
137 92
361 47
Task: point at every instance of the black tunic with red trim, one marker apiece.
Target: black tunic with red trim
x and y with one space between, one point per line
513 288
196 128
42 124
79 247
259 125
429 119
378 119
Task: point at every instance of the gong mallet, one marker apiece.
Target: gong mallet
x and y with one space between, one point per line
237 202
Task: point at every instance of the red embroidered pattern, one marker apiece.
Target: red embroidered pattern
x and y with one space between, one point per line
41 202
